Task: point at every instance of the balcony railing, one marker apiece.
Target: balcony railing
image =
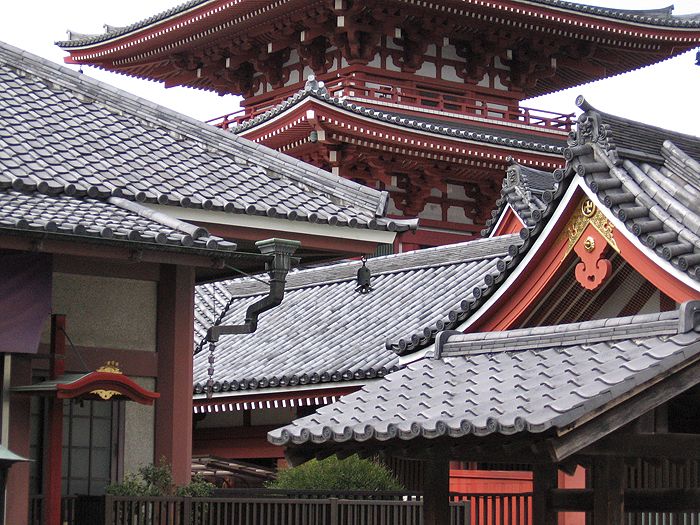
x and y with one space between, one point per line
407 97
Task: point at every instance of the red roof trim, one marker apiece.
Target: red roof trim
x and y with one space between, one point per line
106 381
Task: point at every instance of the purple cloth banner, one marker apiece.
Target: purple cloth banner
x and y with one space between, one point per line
25 301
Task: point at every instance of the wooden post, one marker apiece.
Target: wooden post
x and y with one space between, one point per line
17 496
436 492
544 479
609 480
53 453
173 438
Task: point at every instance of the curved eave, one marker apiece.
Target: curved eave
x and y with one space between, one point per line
74 386
107 381
161 30
300 395
404 136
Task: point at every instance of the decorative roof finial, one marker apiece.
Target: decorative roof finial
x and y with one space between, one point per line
364 276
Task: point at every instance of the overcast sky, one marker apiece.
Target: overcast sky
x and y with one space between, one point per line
666 94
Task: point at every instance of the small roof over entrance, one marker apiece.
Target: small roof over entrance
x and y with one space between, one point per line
105 383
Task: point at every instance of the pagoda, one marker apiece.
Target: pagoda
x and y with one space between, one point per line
422 99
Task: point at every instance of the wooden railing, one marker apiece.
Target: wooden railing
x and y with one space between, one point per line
119 510
427 100
498 509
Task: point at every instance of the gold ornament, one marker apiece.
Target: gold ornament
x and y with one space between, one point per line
110 367
586 214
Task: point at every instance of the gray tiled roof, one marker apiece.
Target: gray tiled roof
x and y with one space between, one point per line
326 331
649 178
63 216
63 132
527 191
475 132
527 380
659 17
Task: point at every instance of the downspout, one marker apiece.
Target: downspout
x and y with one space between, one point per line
281 251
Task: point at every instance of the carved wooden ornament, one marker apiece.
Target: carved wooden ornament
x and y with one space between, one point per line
589 234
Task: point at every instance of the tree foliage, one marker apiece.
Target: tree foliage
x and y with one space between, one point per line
351 473
157 480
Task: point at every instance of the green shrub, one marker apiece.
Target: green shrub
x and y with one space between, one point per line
197 488
152 480
351 473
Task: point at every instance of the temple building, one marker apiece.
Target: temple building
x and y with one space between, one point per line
420 99
112 210
578 350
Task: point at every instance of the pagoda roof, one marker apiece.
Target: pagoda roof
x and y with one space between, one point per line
521 381
480 130
83 159
663 17
326 331
168 46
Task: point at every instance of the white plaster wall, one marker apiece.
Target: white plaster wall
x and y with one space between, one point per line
431 51
376 61
390 44
428 69
498 84
449 73
293 58
107 312
432 211
293 77
390 64
449 52
458 215
139 430
307 72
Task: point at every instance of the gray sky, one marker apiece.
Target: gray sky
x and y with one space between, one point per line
667 94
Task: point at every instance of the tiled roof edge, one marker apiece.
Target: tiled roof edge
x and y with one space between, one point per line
208 136
516 253
318 91
515 191
588 332
307 378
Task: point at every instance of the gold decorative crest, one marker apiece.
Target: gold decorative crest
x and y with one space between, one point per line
586 214
110 367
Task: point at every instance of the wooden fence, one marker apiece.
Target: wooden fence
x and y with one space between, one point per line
258 511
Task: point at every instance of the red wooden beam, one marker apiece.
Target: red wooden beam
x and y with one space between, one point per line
175 333
53 453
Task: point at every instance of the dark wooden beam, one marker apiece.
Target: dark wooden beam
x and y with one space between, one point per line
608 491
641 400
636 500
662 500
667 446
571 500
544 479
436 492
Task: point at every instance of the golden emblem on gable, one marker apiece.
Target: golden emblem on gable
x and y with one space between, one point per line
110 367
588 213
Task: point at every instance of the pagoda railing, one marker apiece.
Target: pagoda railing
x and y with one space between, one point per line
406 97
